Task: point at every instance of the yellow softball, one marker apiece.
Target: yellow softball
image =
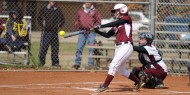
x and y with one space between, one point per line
61 33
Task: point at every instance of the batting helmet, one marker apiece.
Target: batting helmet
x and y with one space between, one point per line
148 36
122 8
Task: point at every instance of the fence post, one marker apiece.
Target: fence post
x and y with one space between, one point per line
152 16
188 69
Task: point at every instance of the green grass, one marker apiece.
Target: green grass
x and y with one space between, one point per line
65 49
14 66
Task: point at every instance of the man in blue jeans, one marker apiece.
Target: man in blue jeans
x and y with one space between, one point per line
86 18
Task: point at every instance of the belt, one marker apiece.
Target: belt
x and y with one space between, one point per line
121 43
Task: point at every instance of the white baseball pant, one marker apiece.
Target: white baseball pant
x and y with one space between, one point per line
122 53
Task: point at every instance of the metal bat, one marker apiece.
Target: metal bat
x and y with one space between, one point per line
74 33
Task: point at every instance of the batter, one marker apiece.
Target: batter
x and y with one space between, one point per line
122 29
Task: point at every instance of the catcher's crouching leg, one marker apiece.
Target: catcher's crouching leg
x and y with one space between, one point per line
151 82
135 71
155 82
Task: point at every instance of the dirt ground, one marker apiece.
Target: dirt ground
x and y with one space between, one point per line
79 83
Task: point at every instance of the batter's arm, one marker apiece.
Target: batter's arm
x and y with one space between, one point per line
107 35
115 23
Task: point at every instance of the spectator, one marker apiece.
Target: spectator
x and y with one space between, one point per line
1 27
86 18
16 32
153 70
2 42
50 19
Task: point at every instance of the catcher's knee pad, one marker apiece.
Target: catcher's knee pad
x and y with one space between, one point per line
152 80
143 76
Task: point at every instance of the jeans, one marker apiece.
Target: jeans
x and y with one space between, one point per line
90 37
16 44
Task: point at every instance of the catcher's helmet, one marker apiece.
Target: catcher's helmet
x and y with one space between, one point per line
122 8
148 36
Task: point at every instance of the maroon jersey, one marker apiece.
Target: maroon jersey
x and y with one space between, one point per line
124 32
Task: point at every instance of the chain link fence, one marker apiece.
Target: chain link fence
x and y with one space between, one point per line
171 34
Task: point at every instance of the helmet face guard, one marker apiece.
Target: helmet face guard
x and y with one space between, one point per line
148 36
114 10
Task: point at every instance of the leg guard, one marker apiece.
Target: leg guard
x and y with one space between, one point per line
155 82
143 76
136 70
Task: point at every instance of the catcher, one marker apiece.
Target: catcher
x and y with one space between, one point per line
153 70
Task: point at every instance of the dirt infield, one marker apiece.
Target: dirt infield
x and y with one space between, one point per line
79 83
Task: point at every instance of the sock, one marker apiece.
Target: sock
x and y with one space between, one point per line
134 78
108 80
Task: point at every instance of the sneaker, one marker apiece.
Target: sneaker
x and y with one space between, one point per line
138 86
101 88
76 66
8 48
159 86
56 65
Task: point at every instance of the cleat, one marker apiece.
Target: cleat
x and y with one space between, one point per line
101 88
159 86
138 86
